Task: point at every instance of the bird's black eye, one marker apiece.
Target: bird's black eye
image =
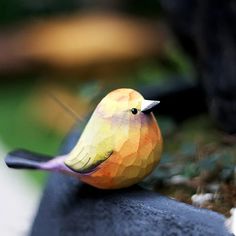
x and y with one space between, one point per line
134 111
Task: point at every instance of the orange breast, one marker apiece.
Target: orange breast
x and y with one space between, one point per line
136 158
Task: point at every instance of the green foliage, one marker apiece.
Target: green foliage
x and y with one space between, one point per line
18 128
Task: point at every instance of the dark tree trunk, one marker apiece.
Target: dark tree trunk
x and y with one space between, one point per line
207 31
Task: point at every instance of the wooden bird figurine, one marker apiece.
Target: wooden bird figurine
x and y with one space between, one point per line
120 145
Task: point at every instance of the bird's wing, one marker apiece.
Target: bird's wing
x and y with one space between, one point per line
87 158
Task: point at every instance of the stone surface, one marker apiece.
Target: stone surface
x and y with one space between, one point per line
69 207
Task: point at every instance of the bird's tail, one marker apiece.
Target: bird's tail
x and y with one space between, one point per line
23 159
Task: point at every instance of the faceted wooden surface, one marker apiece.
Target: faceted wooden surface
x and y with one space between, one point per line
124 147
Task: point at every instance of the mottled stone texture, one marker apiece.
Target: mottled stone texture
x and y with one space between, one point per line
69 207
207 31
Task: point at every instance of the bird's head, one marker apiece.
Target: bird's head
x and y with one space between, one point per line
125 105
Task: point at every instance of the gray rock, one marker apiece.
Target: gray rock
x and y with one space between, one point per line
69 207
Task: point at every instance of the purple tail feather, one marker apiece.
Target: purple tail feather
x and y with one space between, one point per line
23 159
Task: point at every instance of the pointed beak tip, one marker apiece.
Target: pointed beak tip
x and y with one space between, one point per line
148 105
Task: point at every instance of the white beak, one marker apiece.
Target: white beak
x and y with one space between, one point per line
148 105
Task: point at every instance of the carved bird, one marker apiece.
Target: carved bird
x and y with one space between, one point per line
120 145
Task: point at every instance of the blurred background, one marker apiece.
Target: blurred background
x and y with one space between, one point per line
182 53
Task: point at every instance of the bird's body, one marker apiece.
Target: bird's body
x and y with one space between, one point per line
120 145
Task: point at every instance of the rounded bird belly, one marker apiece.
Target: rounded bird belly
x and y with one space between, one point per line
121 170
